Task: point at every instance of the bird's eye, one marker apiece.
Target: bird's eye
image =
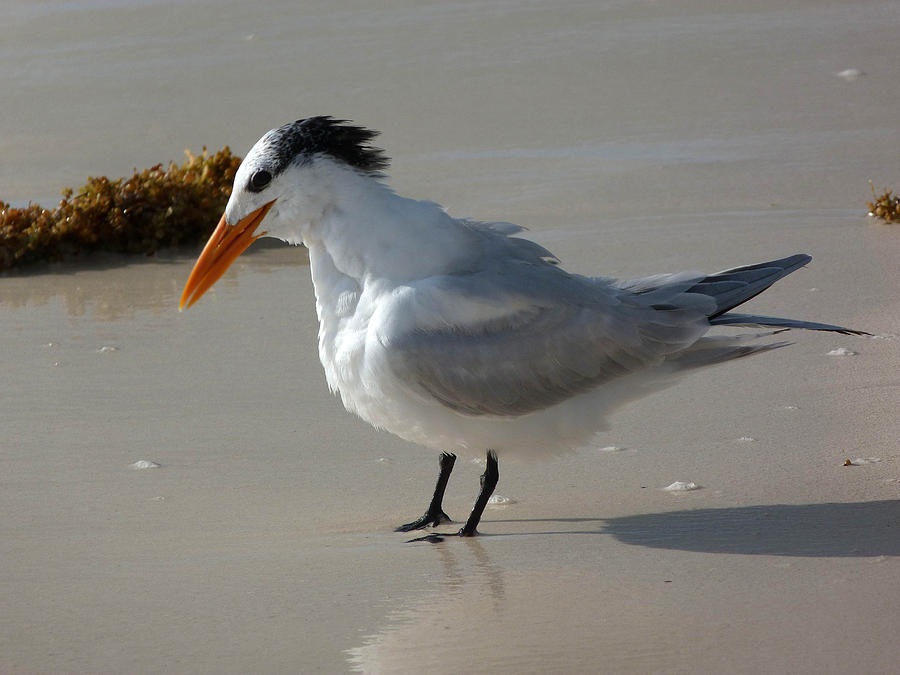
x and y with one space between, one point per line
259 180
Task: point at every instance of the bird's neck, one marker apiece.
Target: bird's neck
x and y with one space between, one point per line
371 232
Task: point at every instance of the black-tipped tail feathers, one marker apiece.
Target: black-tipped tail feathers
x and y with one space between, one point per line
733 319
734 287
730 288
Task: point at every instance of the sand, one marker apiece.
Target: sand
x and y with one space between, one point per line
631 138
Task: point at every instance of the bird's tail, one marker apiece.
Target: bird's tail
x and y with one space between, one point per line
733 319
734 287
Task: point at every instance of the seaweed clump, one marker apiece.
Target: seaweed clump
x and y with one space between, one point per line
160 207
885 206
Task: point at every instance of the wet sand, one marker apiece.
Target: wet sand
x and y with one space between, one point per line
631 138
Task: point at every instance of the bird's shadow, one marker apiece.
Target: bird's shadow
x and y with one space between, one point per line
854 529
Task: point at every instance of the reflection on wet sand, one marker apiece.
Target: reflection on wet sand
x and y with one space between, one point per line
109 288
469 576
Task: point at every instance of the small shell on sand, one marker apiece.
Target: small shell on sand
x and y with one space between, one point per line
682 486
842 351
859 461
145 464
500 500
850 74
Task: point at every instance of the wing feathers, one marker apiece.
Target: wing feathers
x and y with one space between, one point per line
559 347
525 335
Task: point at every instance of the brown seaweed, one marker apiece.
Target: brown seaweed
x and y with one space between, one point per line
157 208
885 206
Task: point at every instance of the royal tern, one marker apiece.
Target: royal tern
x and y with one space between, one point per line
457 335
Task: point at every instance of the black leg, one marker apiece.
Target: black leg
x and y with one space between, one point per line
488 482
435 514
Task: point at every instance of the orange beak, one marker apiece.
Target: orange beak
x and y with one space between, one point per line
222 249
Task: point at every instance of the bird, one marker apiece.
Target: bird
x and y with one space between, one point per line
458 334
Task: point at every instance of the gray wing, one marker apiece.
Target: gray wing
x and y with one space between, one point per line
565 335
525 335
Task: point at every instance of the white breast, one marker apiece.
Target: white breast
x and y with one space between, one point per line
356 367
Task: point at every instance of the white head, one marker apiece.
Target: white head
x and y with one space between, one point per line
287 179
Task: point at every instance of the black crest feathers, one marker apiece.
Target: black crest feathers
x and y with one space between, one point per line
338 139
